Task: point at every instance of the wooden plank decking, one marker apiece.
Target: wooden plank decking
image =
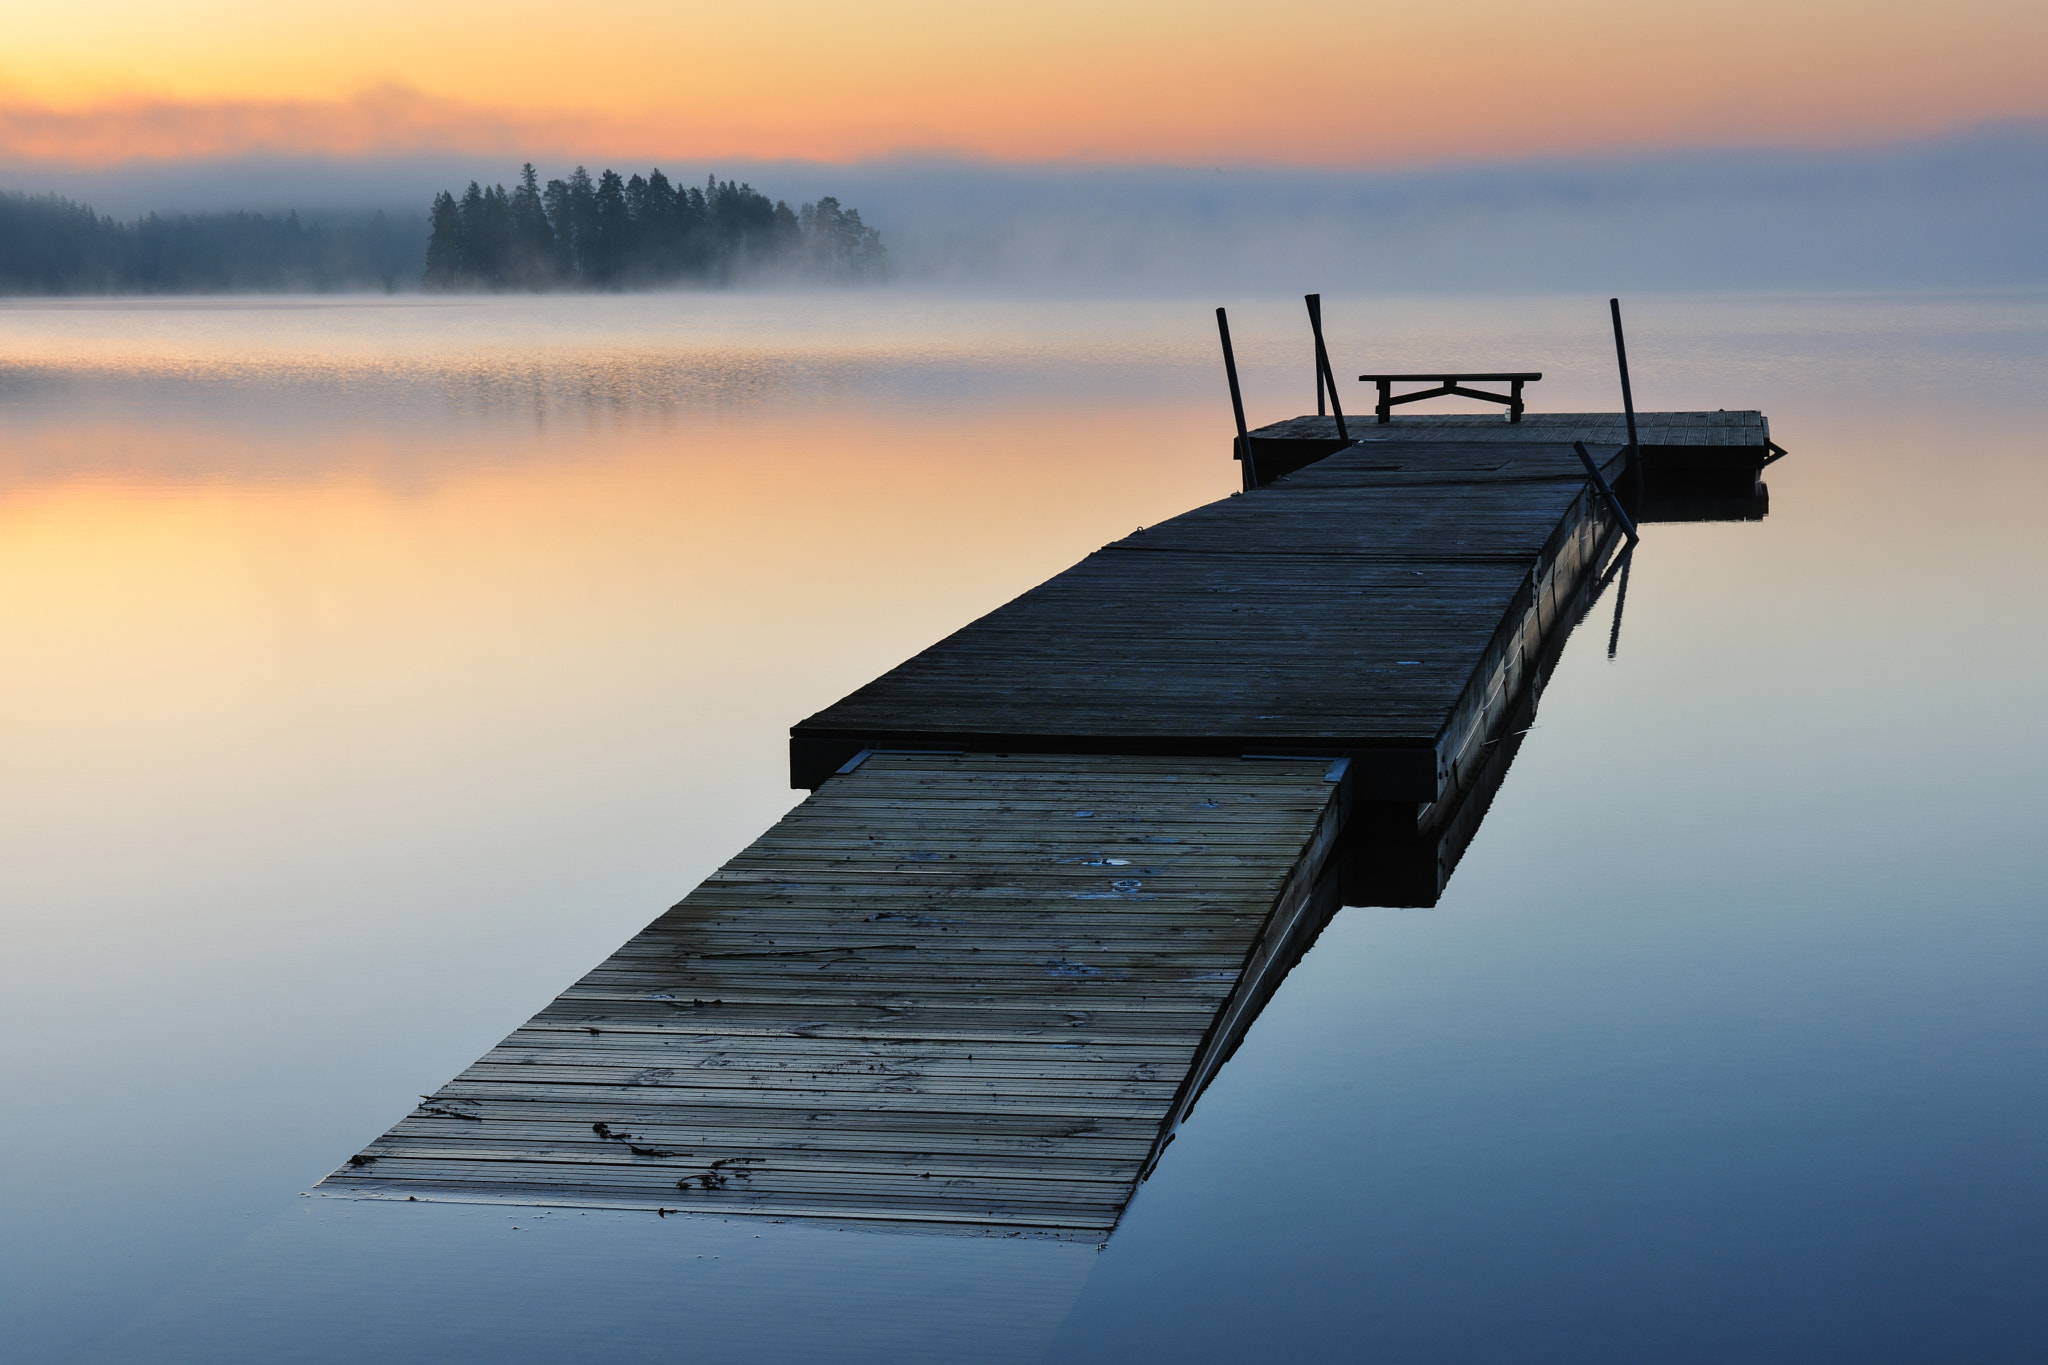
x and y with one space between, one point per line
945 990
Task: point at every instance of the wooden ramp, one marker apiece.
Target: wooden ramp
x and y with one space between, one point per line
954 991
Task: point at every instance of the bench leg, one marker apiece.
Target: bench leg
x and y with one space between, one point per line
1386 407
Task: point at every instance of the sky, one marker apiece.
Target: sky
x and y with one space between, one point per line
1336 84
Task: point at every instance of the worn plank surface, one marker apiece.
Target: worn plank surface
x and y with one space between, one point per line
1349 608
958 991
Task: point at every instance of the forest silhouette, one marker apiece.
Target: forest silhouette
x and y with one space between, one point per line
579 233
51 245
623 233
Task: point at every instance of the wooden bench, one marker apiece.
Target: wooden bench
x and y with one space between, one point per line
1450 385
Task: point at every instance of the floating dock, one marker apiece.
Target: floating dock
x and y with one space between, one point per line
1052 866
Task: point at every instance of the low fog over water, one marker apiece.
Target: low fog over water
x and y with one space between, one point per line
1958 212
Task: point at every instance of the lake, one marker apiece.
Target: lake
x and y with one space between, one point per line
375 667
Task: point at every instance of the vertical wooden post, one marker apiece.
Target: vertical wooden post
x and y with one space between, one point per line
1244 436
1314 300
1321 408
1628 399
1324 376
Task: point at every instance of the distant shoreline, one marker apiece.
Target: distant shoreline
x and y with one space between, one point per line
607 235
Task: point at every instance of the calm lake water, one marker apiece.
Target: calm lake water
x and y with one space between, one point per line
374 668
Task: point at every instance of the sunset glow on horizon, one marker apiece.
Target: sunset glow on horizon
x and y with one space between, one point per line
1306 82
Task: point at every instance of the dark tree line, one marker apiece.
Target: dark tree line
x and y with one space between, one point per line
613 233
50 245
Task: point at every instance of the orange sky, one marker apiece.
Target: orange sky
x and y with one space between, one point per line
1323 82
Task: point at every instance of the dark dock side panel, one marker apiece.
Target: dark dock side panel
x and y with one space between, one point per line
1704 440
1697 466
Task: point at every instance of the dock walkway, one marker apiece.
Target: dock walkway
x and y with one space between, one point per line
1051 867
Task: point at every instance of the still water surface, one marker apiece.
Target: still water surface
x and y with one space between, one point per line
372 669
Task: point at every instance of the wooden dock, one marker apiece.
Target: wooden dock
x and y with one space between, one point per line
1052 866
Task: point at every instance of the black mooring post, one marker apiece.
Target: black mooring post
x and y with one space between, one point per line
1628 400
1628 526
1244 436
1324 378
1315 325
1321 409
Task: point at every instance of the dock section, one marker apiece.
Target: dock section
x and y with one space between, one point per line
1052 867
948 991
1381 604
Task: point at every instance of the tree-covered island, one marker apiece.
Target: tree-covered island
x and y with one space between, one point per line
640 231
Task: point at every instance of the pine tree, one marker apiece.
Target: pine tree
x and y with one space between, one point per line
555 199
614 229
531 264
444 244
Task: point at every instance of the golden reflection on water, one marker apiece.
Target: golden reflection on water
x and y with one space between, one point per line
416 621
